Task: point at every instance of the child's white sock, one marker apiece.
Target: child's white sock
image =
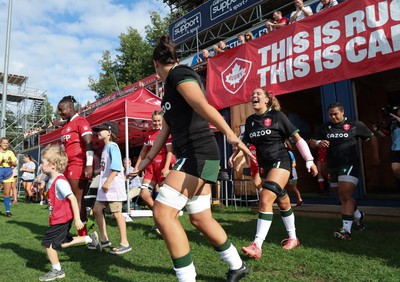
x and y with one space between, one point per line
56 266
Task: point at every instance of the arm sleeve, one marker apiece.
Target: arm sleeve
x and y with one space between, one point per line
288 128
84 127
115 156
182 75
363 131
63 188
31 165
169 140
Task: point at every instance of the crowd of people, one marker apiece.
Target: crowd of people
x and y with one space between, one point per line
31 136
278 21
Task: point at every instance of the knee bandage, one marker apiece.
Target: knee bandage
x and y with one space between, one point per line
198 204
171 197
274 187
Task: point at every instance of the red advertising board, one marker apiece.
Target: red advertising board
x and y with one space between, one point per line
349 40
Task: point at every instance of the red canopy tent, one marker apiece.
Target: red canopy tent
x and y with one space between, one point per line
132 113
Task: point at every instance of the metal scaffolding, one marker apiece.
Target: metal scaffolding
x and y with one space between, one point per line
25 107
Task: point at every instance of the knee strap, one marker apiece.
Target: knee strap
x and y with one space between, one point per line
171 197
148 187
275 188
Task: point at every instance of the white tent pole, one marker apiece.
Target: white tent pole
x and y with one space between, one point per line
225 168
127 164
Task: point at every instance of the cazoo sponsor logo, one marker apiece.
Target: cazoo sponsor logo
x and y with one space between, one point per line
167 106
337 135
260 133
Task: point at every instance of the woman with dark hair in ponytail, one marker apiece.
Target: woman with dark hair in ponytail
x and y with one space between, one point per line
267 129
187 115
76 137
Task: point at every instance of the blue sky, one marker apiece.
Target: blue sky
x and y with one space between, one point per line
57 43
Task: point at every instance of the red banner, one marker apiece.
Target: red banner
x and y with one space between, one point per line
352 39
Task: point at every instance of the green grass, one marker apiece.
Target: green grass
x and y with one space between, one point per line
371 255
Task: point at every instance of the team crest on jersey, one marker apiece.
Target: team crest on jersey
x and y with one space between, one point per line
68 129
267 122
346 126
85 128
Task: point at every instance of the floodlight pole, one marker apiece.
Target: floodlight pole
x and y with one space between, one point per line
3 123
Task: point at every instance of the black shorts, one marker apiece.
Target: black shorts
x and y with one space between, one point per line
395 156
284 163
346 172
56 235
27 180
204 169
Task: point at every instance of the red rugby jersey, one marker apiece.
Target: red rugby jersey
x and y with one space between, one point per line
71 137
149 141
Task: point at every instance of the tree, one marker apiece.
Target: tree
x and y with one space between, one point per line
106 82
56 115
13 130
49 111
157 28
133 60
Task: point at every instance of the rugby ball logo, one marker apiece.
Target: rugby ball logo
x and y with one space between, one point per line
234 76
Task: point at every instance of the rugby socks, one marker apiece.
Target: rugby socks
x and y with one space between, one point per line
83 231
264 222
289 222
347 221
184 268
88 240
229 254
7 203
321 182
357 213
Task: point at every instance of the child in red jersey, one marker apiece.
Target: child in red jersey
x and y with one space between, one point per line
63 209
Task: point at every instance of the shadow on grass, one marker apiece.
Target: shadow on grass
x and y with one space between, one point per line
35 259
376 241
102 266
105 265
36 229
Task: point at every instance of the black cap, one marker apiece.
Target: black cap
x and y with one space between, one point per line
107 125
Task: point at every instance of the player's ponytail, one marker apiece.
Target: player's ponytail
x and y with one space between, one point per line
165 51
273 103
